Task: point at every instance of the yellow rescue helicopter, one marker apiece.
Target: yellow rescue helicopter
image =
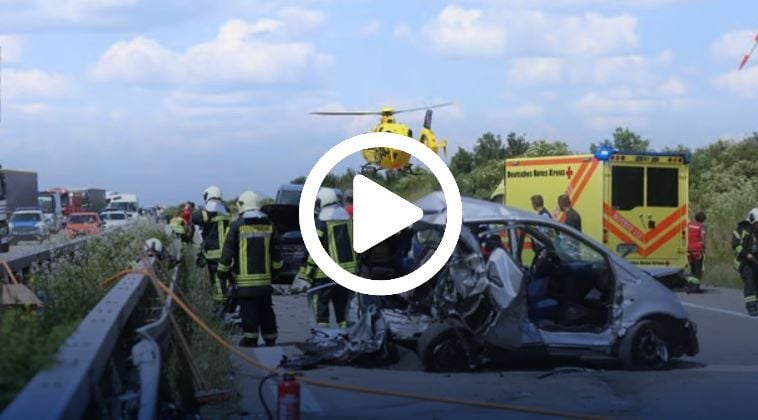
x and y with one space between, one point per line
380 158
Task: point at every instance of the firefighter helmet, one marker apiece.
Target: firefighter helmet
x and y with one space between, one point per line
752 217
327 196
248 201
153 246
212 192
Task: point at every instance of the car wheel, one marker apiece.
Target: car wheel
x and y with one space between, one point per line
644 347
445 347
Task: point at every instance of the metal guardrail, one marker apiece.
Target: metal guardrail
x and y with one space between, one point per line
146 355
74 384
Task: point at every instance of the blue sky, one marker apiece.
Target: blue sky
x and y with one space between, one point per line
164 98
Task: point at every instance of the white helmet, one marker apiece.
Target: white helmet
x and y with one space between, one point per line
153 246
212 192
752 217
248 201
327 196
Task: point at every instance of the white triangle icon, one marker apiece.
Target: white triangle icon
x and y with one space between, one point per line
378 213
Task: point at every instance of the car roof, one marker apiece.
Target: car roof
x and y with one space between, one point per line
290 187
27 210
474 210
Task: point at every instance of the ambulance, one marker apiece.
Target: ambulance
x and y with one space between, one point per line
634 203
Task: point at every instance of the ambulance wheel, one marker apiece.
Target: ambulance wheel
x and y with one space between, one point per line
445 347
644 347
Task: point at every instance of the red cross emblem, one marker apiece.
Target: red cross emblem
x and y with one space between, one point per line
569 172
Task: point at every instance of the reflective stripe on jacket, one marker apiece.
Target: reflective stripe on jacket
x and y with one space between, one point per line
251 250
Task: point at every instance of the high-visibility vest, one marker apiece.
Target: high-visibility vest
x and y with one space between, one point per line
220 226
337 238
178 225
253 256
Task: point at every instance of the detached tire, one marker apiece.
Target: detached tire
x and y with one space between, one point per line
644 347
445 348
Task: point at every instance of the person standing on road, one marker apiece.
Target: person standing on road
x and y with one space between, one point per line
214 220
745 245
696 251
335 230
572 217
538 204
250 250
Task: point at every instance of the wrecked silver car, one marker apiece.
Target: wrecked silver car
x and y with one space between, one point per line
521 286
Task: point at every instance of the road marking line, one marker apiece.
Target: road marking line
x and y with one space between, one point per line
719 310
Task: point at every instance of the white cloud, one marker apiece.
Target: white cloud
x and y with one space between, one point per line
527 111
240 53
741 83
12 46
495 30
627 70
673 86
731 46
22 86
137 60
536 71
210 106
459 31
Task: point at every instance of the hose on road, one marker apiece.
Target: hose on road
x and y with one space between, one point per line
342 387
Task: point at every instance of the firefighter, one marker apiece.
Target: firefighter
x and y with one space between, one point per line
335 230
250 251
696 251
745 245
214 220
179 227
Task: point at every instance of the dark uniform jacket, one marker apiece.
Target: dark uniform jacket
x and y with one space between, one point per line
336 238
744 241
573 219
215 226
251 249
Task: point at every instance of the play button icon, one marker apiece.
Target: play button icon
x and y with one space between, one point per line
378 213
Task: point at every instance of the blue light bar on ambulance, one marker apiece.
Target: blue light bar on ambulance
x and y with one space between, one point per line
603 153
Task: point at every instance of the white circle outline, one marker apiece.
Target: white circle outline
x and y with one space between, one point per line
452 225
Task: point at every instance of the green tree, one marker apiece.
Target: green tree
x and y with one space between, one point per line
298 181
488 147
517 145
547 148
624 140
462 162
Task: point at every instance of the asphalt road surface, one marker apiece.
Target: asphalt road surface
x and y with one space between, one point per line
721 381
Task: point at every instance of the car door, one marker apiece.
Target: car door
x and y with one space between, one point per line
562 267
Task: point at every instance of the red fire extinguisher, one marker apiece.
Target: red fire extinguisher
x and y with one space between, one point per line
288 398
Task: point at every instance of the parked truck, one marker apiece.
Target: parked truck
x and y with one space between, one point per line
52 209
17 189
93 199
126 202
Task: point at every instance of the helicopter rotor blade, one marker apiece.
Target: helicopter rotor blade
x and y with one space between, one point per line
422 108
345 113
749 53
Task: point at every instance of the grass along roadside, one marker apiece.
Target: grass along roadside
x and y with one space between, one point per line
69 288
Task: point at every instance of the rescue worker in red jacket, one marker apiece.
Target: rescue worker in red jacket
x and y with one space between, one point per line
745 245
696 251
251 253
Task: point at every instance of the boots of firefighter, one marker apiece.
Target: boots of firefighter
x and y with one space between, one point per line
249 340
752 308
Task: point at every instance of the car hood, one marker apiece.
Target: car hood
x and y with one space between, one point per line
81 226
25 223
